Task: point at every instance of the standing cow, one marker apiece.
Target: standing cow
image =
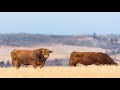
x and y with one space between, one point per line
35 57
88 58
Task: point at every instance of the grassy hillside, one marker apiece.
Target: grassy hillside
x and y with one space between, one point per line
110 42
23 39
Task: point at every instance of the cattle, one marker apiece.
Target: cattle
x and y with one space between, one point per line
88 58
36 57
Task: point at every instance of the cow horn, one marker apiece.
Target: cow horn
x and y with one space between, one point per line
50 51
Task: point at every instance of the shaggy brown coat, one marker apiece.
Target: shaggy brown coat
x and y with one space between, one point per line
35 57
88 58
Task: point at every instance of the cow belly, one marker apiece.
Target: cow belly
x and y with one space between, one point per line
86 61
25 61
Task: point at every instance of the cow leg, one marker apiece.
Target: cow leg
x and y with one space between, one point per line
97 63
72 64
26 65
34 65
41 65
16 64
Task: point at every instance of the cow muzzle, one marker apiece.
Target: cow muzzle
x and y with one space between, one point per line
45 56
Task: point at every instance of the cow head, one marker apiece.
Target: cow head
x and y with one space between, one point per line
44 53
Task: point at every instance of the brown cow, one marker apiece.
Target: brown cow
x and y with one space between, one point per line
35 57
88 58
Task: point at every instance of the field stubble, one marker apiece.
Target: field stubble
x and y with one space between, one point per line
60 51
91 71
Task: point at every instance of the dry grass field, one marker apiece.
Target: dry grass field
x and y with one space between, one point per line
91 71
59 51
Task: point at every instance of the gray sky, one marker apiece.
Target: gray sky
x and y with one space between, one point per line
64 23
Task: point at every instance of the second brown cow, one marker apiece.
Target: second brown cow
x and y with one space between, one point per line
88 58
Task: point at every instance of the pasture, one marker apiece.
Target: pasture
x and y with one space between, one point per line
61 52
91 71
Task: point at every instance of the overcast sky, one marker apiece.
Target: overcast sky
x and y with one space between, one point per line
60 23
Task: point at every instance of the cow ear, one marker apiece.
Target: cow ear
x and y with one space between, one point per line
50 51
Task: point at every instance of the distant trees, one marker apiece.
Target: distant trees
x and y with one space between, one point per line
114 48
94 35
3 64
114 40
57 62
113 51
110 42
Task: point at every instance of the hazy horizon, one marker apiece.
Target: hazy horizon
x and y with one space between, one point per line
59 34
60 23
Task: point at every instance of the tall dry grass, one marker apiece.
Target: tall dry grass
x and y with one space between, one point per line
91 71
